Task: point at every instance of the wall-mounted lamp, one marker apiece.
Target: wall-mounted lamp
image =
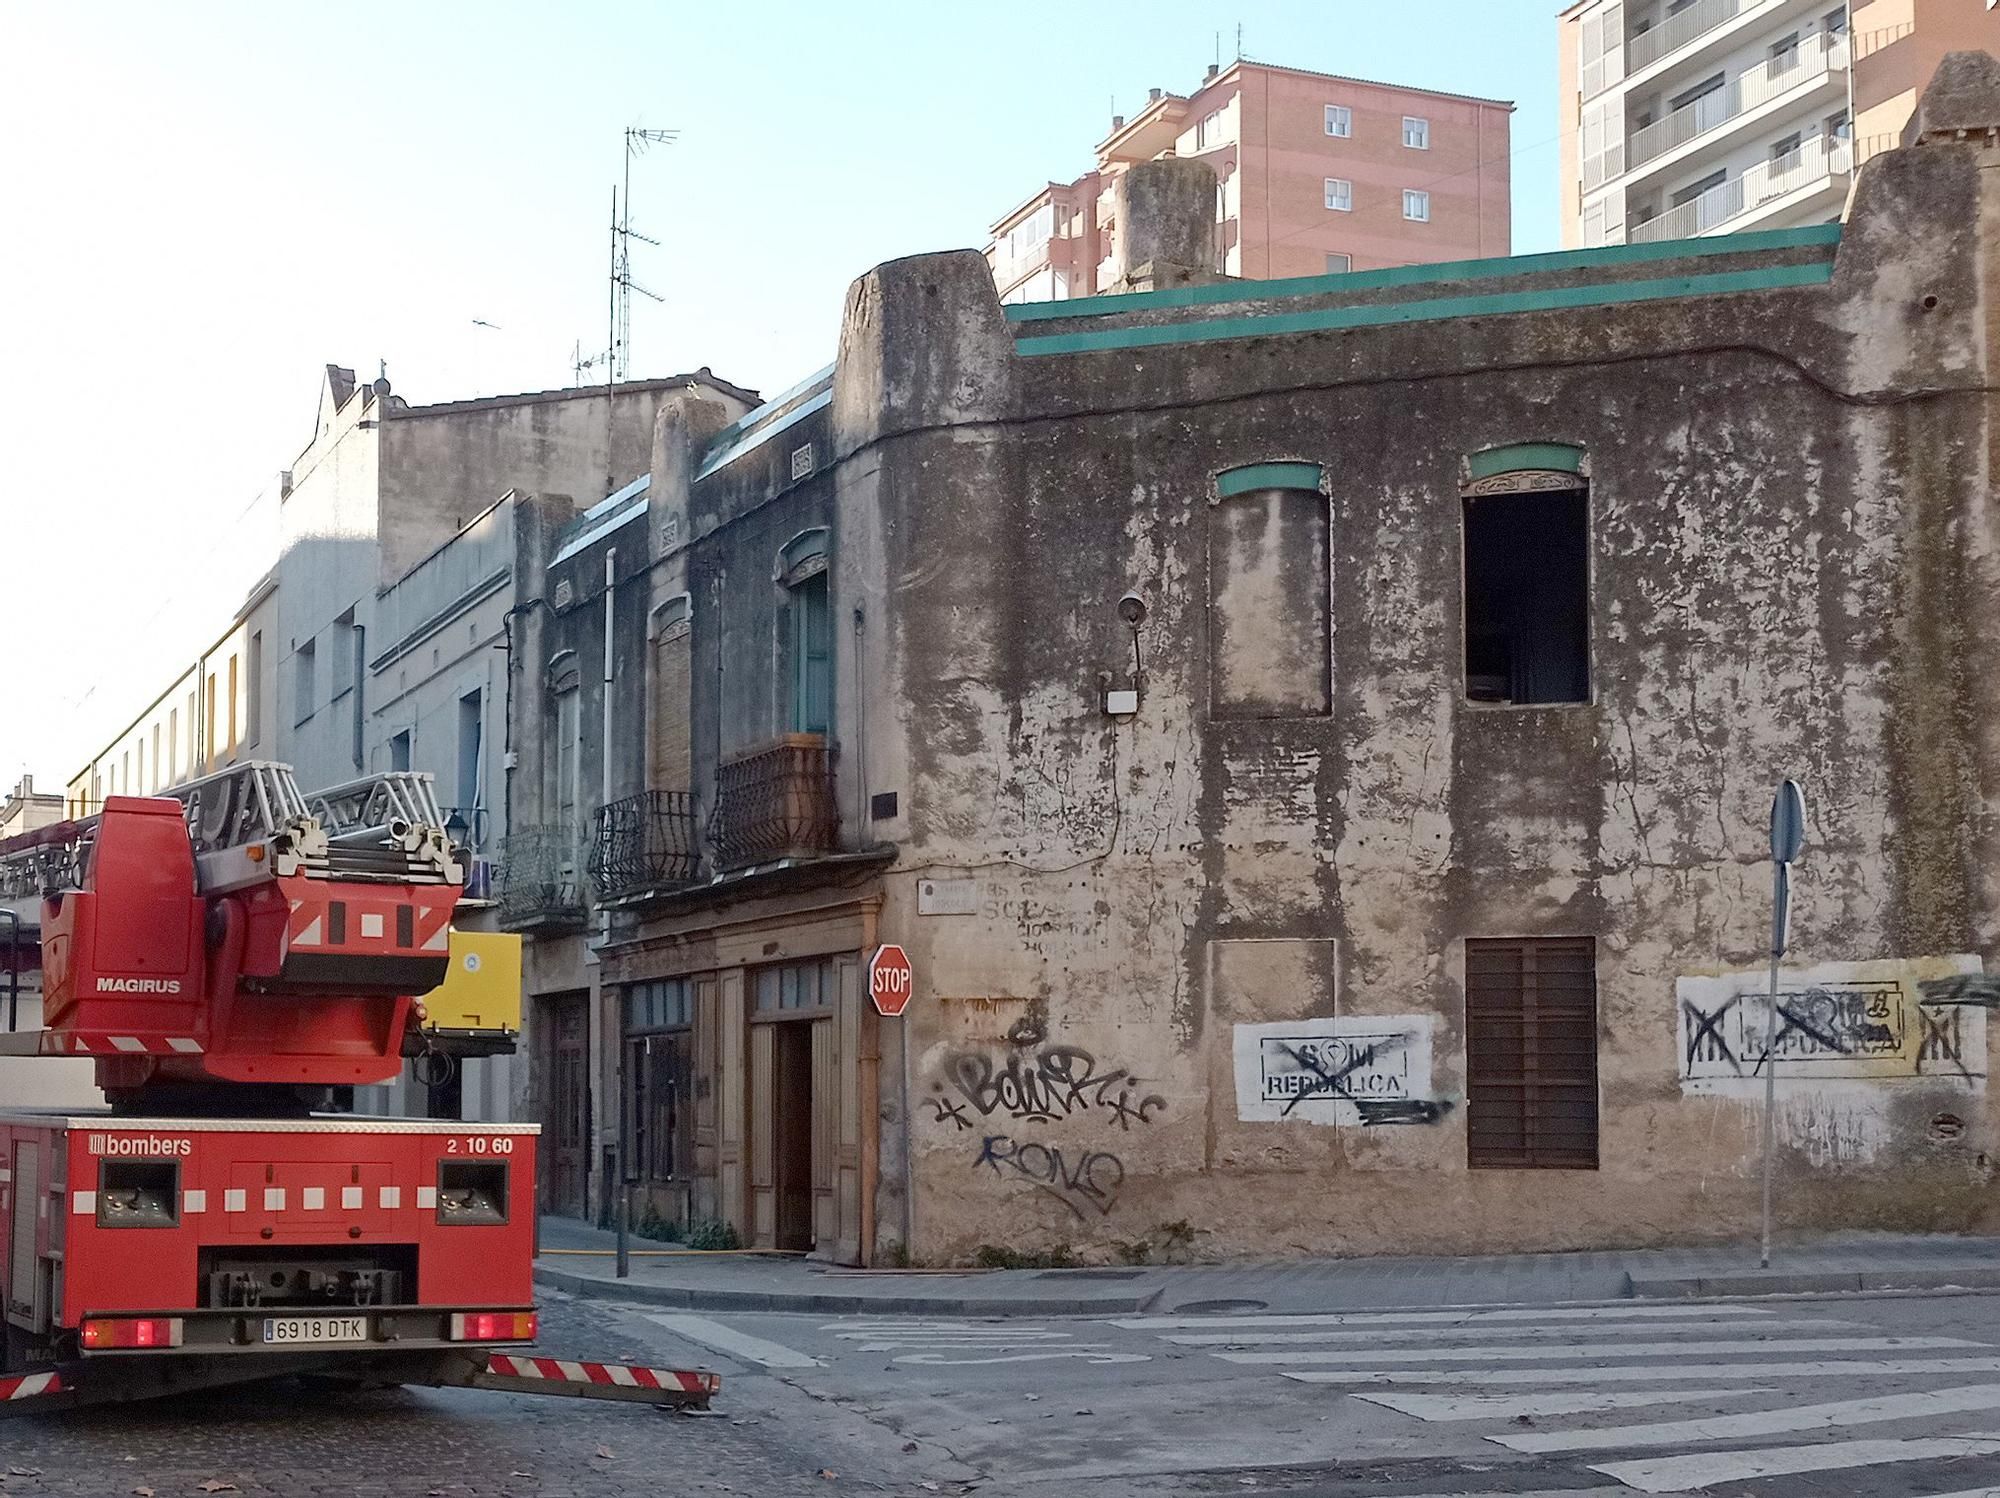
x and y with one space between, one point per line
1123 702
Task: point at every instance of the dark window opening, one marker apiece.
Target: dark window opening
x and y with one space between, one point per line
1527 597
1531 1053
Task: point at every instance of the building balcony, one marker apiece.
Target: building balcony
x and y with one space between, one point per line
1787 80
645 844
539 881
775 802
1684 28
1785 183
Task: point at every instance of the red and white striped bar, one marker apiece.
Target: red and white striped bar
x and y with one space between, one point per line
30 1385
95 1044
603 1375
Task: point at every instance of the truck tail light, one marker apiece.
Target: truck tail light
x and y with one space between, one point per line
494 1326
140 1331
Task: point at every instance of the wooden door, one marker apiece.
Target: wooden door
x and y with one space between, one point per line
792 1132
563 1102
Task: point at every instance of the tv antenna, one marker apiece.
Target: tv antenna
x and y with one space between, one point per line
637 142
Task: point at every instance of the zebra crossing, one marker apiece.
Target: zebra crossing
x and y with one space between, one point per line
1655 1398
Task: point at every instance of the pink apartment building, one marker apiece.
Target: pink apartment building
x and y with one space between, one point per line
1318 173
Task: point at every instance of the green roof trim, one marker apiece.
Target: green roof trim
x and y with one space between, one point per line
1221 293
1253 476
1557 457
1327 319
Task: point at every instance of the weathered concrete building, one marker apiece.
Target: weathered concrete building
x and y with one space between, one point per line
1314 740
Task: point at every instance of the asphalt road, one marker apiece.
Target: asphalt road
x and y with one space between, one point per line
1871 1398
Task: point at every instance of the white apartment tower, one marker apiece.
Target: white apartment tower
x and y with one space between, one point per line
1686 118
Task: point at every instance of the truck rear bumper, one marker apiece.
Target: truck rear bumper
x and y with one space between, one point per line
248 1331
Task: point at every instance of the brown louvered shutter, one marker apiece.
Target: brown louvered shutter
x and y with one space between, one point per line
1531 1053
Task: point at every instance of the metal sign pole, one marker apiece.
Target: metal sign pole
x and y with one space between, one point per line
1781 886
1788 822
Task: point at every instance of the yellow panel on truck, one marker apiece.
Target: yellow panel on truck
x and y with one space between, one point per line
481 994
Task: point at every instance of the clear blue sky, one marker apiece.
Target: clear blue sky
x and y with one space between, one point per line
206 203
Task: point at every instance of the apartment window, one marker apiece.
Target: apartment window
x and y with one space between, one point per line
233 684
1339 121
305 672
343 655
1787 147
565 686
471 737
253 715
1416 133
1527 576
125 773
173 744
1784 54
208 752
1339 194
139 786
1838 126
1338 264
1209 131
1835 21
1695 189
1269 634
802 572
399 751
1531 1053
1416 205
1709 85
796 985
159 764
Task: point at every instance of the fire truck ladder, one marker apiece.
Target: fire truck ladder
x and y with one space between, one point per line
250 822
388 826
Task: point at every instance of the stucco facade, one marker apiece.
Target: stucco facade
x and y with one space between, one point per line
1416 898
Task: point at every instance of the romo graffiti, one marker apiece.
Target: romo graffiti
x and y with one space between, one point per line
1087 1183
1052 1083
1857 1021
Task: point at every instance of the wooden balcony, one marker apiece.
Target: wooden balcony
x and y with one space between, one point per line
775 801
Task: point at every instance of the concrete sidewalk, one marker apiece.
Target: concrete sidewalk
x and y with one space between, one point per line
578 1259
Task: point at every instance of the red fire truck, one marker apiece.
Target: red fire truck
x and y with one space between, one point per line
232 966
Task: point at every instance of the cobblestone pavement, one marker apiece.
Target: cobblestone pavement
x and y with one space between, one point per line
414 1443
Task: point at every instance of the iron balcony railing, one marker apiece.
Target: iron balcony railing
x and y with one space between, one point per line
540 877
1807 63
775 801
1813 162
644 842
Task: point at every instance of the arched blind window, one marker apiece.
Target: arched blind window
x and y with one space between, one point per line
1269 618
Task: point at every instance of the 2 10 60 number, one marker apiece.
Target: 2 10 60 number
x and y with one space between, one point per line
480 1146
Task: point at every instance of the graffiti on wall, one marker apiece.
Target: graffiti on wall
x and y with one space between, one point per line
1087 1181
1838 1022
1031 1084
1045 1084
1368 1069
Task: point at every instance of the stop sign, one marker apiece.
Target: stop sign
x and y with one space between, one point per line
890 978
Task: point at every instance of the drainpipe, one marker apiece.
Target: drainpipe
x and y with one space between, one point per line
623 1215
